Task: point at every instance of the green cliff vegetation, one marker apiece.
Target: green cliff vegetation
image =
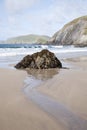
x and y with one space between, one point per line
40 39
73 33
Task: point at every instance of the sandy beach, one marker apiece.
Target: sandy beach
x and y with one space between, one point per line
43 65
65 86
16 111
69 87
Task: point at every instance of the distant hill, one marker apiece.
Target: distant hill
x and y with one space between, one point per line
73 33
1 42
40 39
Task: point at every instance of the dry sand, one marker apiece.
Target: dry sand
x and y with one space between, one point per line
16 111
69 87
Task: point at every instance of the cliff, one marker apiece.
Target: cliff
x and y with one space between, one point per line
73 33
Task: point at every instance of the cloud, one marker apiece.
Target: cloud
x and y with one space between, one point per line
15 6
47 17
69 9
12 20
62 12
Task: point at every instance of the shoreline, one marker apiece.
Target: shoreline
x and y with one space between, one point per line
45 96
28 110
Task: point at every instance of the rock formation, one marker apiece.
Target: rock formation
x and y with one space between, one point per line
40 60
73 33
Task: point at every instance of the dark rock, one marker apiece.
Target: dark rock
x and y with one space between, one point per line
40 60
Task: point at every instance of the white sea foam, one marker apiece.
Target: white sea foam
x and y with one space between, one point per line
13 54
4 52
17 51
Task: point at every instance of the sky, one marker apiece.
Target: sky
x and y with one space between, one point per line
43 17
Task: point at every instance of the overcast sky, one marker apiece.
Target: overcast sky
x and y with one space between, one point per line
45 17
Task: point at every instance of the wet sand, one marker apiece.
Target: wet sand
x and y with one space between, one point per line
69 87
57 103
16 111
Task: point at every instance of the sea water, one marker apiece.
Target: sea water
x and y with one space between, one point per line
13 53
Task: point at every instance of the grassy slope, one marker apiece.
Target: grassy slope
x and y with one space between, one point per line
29 39
73 23
76 20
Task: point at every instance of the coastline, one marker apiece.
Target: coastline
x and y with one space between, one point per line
19 112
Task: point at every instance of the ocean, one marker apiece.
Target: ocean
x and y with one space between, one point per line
13 53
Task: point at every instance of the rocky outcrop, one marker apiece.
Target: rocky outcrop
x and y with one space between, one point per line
40 60
73 33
